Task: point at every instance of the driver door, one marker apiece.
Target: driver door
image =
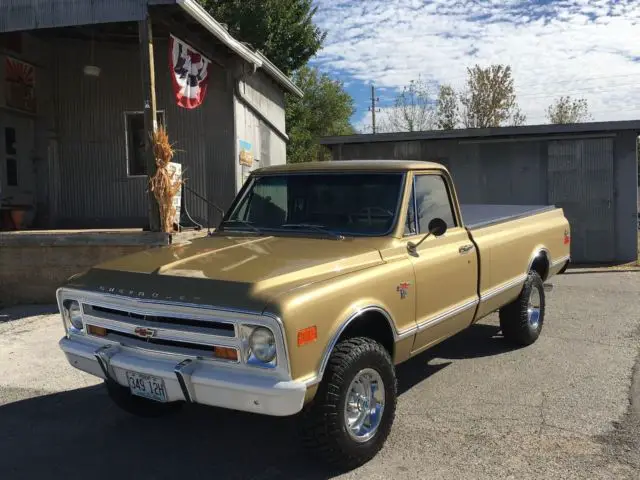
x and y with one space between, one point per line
446 267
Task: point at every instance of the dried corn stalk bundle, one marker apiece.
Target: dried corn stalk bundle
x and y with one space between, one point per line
164 183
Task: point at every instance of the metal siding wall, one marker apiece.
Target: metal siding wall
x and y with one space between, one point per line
32 14
580 177
93 168
627 200
269 100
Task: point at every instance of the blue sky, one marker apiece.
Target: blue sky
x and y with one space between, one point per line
581 48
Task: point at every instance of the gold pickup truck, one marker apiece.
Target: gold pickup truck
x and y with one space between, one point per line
320 279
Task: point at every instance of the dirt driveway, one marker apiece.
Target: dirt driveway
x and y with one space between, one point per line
471 408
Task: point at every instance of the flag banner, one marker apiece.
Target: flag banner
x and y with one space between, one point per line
189 73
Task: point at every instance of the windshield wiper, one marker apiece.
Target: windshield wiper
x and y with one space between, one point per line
243 222
317 228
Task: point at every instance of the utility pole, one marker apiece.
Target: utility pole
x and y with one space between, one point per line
372 108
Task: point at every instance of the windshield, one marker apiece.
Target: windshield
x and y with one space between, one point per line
336 203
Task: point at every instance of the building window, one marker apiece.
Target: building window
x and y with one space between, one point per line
12 172
433 201
134 129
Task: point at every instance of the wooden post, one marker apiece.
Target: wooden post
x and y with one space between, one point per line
145 34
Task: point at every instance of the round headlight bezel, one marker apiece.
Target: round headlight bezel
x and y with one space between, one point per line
262 343
74 314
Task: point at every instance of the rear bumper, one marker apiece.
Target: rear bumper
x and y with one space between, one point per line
188 379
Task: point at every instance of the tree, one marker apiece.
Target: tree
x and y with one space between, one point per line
283 30
447 114
412 110
324 110
489 99
568 110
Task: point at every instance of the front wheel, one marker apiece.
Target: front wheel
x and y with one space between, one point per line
521 321
352 413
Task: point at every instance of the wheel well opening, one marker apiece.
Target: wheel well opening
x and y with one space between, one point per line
541 265
373 325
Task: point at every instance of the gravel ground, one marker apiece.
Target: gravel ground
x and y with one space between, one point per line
565 407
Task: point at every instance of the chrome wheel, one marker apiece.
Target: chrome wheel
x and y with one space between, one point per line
533 308
364 405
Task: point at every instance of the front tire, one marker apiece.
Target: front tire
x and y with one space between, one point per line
138 406
351 415
521 320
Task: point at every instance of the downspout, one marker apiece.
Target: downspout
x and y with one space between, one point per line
245 101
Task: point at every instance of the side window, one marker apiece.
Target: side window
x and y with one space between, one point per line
432 201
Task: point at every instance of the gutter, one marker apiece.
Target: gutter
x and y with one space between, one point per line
193 8
245 101
281 77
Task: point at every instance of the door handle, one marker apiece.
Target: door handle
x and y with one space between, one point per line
465 249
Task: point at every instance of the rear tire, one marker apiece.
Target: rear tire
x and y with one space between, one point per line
521 321
345 423
138 406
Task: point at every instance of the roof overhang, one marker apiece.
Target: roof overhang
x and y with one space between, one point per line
25 15
499 132
195 10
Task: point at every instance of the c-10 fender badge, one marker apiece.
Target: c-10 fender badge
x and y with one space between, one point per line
403 289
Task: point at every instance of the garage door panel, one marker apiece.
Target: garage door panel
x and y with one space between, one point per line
580 180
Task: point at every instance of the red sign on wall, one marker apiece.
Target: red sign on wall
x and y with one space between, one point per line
189 73
20 85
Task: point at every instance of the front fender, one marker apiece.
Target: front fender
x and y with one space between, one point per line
332 304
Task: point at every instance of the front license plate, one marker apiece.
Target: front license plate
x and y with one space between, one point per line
147 386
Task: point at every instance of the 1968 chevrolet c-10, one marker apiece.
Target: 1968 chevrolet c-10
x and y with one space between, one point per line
320 279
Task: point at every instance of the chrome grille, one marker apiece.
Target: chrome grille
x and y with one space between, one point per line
162 332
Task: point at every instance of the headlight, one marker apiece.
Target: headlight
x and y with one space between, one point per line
263 344
73 312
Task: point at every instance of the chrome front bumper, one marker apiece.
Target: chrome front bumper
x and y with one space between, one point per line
189 380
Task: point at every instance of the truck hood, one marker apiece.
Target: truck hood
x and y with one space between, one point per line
230 271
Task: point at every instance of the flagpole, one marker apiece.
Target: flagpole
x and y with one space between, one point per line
145 36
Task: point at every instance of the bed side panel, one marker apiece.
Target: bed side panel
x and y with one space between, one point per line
507 250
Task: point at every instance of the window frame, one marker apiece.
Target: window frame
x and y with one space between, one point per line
413 199
162 120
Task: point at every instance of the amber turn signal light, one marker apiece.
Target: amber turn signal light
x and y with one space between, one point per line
226 353
97 331
307 335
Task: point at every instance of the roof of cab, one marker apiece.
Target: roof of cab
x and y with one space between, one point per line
352 165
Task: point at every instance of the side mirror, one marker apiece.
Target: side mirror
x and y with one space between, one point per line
437 227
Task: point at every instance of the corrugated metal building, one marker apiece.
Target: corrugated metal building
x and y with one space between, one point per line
72 153
590 170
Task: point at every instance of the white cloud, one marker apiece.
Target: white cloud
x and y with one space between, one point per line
584 48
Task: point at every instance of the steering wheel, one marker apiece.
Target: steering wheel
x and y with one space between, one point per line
368 212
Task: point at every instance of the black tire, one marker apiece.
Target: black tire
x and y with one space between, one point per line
323 426
138 406
514 317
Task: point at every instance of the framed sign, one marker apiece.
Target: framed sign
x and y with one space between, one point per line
20 85
246 154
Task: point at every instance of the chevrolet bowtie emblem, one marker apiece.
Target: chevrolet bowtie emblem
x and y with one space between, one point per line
144 332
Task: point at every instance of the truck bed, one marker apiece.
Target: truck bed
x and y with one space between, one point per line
478 216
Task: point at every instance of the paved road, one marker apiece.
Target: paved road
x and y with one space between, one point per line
471 408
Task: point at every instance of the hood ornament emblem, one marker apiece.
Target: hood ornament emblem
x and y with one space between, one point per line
144 332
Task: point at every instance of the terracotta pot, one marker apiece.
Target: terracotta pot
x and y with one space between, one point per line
17 217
